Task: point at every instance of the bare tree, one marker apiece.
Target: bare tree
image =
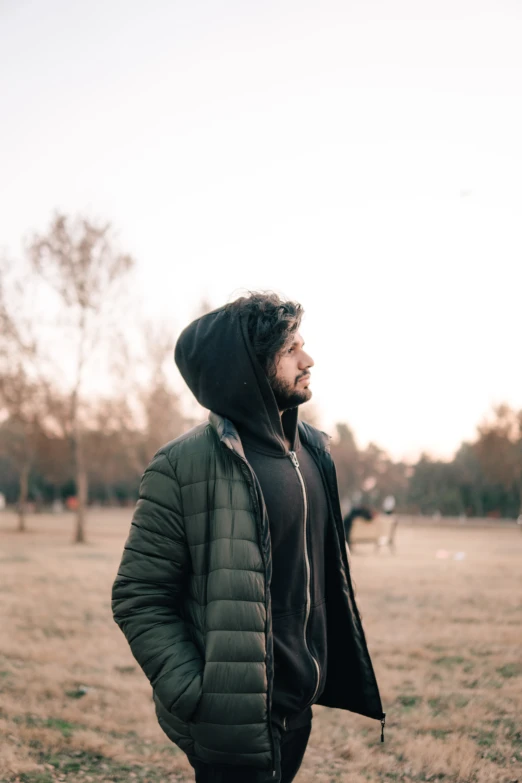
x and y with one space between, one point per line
111 441
20 391
161 409
78 261
20 431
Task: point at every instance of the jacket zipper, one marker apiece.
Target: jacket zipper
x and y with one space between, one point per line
295 463
252 477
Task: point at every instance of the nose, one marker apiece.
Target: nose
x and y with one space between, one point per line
306 361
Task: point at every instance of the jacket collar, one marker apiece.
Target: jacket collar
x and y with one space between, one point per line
229 436
227 433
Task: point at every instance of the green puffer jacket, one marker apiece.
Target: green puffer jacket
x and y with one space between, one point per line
192 596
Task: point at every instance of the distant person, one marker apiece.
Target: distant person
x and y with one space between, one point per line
388 505
357 512
234 589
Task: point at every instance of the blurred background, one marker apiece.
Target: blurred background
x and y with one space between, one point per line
363 158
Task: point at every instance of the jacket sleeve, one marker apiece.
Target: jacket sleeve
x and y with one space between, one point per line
148 591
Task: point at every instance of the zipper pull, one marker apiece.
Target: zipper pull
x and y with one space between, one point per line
293 457
383 724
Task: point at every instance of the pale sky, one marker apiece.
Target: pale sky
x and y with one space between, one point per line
362 157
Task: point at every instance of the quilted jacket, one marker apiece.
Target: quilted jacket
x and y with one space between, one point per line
192 596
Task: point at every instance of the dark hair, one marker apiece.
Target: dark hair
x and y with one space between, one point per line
271 322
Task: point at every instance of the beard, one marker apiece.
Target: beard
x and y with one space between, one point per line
288 395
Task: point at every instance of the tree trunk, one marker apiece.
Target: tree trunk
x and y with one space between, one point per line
80 475
81 492
22 499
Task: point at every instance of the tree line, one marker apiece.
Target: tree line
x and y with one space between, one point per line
64 321
484 478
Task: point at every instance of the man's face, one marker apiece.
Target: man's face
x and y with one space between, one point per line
290 380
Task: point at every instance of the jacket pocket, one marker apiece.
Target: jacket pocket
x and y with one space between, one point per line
187 703
184 704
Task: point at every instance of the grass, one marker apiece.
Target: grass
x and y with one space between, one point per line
444 635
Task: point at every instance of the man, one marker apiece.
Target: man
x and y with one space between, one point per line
234 589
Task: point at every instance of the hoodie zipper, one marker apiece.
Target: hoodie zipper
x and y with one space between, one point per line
295 463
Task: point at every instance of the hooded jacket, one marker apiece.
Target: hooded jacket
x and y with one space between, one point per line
193 593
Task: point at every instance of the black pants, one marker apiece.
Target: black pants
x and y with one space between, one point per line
290 750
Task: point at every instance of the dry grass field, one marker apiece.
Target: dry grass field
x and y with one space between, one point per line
446 636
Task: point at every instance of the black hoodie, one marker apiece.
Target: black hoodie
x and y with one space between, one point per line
217 361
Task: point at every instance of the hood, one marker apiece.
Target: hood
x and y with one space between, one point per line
218 364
